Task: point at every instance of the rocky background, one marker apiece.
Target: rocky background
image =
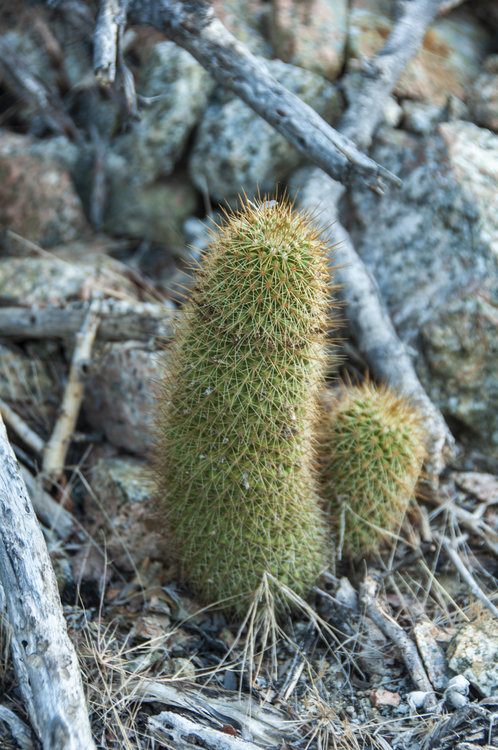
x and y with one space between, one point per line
99 191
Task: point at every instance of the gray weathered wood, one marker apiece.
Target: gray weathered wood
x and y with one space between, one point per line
45 662
120 321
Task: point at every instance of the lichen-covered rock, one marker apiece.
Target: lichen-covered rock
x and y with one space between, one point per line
473 653
441 230
432 245
246 21
235 149
448 61
175 88
483 97
51 281
311 35
461 351
154 210
122 508
119 395
37 197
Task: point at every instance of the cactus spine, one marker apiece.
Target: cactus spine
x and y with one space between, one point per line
237 410
372 451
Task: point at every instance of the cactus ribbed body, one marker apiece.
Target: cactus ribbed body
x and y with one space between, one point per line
237 410
372 452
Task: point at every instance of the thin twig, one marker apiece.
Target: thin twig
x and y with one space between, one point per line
22 429
451 551
105 41
395 632
58 444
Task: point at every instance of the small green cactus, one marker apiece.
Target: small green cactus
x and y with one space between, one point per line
372 453
237 411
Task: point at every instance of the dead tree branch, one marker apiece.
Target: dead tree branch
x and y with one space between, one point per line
57 447
44 658
195 27
395 632
120 321
365 312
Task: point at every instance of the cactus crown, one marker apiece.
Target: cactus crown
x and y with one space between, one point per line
237 410
372 452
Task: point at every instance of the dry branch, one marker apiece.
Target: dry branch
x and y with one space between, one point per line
195 27
44 659
58 445
120 321
395 632
369 322
179 731
48 510
23 430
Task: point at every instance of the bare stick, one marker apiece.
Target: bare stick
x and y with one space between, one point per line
105 42
24 431
195 27
44 658
182 732
50 512
474 524
120 321
368 319
467 576
395 632
58 445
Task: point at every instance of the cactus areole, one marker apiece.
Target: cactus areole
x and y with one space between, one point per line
237 409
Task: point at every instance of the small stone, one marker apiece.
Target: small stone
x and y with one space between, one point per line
119 394
124 489
473 654
483 486
432 655
381 697
419 117
417 698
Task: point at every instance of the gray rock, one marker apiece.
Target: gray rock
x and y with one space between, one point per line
473 653
174 88
235 149
483 96
247 21
123 510
431 244
50 281
439 234
153 210
311 35
37 197
461 352
419 117
119 394
447 62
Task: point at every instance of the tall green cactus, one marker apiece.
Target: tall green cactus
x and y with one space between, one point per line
372 452
235 457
